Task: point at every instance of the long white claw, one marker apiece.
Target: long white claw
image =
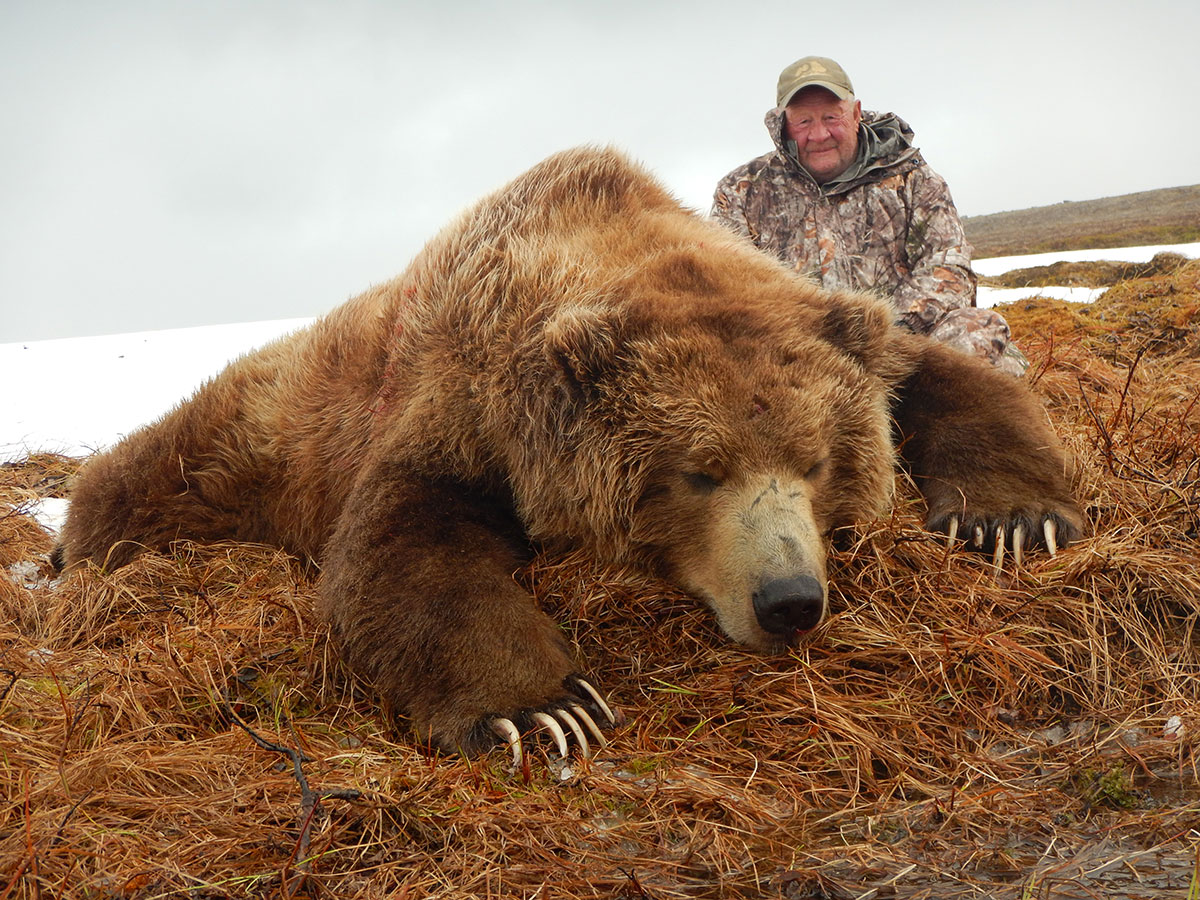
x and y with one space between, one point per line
507 732
998 553
569 720
953 529
1050 530
582 715
598 700
551 725
978 537
1018 541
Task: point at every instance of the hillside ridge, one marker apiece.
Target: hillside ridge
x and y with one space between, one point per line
1162 216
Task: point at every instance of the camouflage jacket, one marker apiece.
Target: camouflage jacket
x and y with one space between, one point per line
890 228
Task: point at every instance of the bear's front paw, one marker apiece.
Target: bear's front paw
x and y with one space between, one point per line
1017 531
576 713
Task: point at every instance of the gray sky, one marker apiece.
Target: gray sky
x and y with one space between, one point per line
177 162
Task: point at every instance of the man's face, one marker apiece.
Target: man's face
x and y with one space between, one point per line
825 130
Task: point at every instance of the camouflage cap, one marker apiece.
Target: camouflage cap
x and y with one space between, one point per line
818 71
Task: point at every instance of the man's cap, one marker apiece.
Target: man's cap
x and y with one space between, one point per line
813 71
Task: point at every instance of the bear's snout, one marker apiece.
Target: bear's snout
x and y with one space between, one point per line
761 563
785 606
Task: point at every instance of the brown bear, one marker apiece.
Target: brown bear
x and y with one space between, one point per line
576 362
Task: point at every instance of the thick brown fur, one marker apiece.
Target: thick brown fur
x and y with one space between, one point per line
581 363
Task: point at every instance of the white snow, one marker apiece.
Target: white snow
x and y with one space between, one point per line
988 296
998 265
50 513
79 395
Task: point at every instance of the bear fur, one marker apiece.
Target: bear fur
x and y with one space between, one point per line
575 363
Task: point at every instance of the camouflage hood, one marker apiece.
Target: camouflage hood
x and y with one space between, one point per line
885 147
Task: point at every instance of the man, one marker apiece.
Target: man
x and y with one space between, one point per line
846 198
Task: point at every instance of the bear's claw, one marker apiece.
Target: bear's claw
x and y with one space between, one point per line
1049 535
596 698
507 732
548 722
576 729
1051 530
578 721
583 716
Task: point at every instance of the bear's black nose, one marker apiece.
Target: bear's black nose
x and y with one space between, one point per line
786 605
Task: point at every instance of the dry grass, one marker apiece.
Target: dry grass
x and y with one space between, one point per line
179 728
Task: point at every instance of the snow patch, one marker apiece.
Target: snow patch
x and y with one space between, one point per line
998 265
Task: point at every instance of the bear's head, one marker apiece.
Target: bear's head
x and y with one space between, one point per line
715 437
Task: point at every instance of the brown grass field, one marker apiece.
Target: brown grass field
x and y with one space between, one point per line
181 729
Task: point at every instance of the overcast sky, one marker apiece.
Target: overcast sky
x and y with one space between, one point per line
169 163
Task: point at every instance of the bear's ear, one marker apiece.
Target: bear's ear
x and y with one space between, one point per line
582 344
859 325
